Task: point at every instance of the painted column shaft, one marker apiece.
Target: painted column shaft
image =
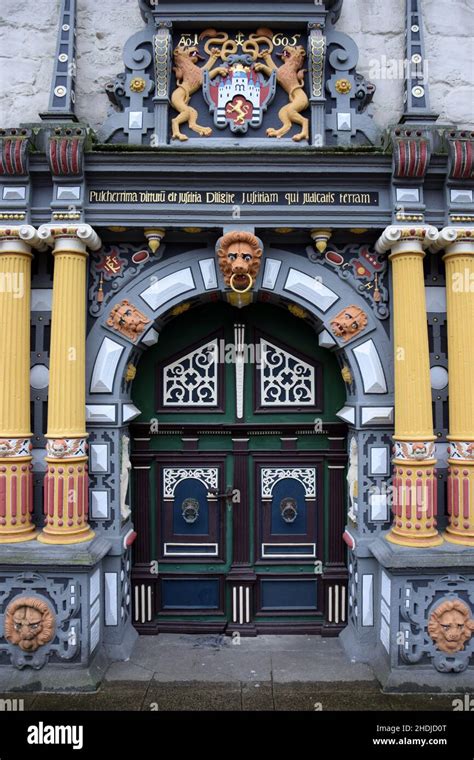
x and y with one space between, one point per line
414 484
16 478
459 262
66 494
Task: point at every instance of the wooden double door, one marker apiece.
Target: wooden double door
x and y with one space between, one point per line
239 467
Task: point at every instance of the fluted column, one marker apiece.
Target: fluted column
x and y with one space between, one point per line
16 478
66 495
458 243
414 476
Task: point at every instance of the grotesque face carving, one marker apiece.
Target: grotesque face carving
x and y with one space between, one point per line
450 626
239 255
349 322
127 320
29 623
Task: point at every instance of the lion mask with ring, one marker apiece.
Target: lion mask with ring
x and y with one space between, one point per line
239 254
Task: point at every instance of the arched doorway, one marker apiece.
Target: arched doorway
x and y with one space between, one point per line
239 469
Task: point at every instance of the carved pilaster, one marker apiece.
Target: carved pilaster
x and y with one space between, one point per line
62 97
317 63
162 44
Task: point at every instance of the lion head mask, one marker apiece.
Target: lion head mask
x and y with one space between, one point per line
239 255
349 322
450 626
29 623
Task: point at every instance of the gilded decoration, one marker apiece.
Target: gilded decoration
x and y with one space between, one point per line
189 79
29 623
343 86
451 626
137 84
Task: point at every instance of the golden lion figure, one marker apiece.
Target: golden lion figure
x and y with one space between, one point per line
450 626
189 79
290 75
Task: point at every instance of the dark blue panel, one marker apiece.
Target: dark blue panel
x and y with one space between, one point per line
290 487
289 594
190 593
194 489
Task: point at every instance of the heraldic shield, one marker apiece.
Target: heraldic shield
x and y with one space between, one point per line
240 96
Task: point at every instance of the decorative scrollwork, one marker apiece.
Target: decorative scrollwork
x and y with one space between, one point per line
192 380
285 380
270 476
208 476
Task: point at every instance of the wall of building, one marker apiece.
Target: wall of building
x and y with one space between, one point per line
28 40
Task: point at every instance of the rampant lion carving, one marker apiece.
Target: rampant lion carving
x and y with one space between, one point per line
29 623
239 254
189 79
349 322
290 75
127 320
450 626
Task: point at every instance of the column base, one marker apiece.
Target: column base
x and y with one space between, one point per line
422 542
47 537
17 538
462 539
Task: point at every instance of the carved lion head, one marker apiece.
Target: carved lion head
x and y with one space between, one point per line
183 56
349 322
450 626
29 623
127 319
294 54
239 255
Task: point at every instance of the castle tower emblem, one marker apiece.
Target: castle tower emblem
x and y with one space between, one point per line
240 96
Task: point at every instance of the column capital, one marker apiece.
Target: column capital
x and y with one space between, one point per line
24 237
54 234
455 240
406 238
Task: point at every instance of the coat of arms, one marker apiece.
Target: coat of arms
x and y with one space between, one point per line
240 89
239 96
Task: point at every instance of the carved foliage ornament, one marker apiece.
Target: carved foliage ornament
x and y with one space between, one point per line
239 255
29 623
451 626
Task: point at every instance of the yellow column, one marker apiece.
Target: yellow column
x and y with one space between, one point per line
458 243
414 477
16 478
66 495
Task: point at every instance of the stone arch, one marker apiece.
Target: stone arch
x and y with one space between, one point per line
286 279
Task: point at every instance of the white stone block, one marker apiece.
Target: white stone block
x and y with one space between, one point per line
370 366
167 288
105 366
